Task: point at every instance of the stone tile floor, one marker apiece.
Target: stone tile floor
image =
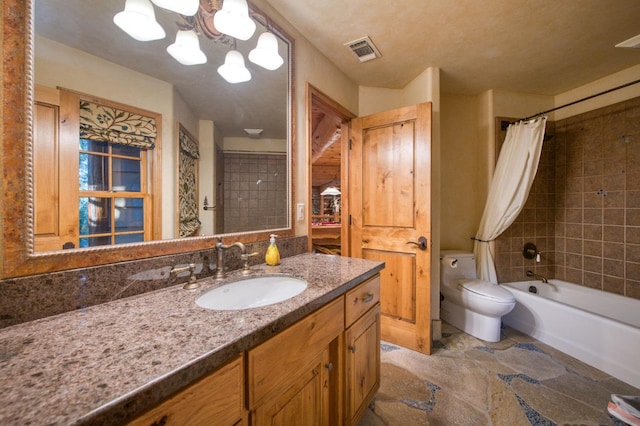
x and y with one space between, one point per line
466 381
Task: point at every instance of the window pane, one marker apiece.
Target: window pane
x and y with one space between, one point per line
129 214
95 215
126 175
129 238
93 172
95 242
128 151
93 146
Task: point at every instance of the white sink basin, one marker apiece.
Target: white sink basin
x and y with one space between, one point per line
251 293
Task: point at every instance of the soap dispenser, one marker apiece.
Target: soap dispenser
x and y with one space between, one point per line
273 255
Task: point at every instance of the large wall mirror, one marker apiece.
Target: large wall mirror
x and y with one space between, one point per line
244 131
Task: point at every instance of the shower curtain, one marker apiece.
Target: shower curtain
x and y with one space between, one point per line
512 180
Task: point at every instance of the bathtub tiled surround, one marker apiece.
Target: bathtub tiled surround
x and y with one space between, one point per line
465 381
255 193
583 212
39 296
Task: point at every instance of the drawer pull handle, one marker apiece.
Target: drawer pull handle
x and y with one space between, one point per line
352 348
368 298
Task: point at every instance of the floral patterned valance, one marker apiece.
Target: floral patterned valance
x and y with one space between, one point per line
107 124
188 145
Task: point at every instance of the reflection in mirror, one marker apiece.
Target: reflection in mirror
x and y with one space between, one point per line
113 195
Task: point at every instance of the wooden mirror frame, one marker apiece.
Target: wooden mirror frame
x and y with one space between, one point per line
16 207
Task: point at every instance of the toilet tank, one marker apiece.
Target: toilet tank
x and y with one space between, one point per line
456 265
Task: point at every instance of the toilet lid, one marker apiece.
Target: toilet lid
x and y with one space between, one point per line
487 289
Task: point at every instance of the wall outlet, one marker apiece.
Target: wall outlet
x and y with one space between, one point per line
300 212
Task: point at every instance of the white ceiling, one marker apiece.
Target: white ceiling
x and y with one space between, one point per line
532 46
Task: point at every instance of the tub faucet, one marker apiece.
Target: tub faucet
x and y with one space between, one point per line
533 274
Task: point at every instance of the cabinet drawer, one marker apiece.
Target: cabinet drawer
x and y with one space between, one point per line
362 298
216 399
272 366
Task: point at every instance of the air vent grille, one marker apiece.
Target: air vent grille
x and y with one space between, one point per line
364 49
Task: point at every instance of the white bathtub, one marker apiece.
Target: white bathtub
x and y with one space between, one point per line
599 328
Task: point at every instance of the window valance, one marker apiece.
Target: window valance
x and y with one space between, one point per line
188 145
107 124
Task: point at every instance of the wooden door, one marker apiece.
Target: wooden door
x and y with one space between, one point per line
390 205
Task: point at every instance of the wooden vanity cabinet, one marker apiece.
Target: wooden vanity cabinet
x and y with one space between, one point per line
362 358
217 399
291 376
321 371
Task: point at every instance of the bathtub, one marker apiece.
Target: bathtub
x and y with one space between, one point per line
599 328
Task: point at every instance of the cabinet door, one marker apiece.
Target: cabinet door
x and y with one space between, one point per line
217 399
362 364
303 403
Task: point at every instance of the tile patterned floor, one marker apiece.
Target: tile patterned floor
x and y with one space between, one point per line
518 381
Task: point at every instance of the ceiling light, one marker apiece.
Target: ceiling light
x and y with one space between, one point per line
233 69
266 53
183 7
253 133
139 21
186 49
233 20
331 190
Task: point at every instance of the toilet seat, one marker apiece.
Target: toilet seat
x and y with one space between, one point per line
487 290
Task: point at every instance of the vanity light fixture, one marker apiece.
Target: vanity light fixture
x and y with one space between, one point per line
186 49
139 21
233 20
266 53
233 69
183 7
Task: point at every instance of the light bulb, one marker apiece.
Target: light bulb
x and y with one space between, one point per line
265 53
233 20
139 21
186 49
233 69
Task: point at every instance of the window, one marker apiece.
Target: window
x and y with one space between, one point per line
113 193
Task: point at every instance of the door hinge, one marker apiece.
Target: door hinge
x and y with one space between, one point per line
350 143
349 220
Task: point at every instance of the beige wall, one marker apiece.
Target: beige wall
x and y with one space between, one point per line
54 63
460 208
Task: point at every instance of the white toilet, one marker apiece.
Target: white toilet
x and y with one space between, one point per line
472 305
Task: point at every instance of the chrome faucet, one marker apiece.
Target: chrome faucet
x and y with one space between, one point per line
220 248
533 274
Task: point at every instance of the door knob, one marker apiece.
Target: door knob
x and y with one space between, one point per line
422 243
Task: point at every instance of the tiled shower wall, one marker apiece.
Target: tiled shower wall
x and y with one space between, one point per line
587 225
255 192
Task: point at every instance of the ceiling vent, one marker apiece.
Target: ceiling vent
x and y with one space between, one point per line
364 49
633 43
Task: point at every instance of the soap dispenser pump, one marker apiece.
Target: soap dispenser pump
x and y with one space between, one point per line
273 255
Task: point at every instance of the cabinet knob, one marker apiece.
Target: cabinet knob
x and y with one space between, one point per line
352 348
329 367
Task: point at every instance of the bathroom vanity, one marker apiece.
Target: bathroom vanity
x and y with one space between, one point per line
158 357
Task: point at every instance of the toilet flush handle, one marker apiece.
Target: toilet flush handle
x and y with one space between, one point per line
422 243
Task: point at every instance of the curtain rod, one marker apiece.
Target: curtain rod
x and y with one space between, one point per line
580 100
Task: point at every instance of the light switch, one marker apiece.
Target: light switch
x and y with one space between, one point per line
300 211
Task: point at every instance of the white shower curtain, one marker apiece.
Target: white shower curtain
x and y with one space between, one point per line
512 179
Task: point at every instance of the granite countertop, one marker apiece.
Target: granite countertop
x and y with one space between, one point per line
109 363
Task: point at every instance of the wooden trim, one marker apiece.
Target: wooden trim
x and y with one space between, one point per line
314 94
